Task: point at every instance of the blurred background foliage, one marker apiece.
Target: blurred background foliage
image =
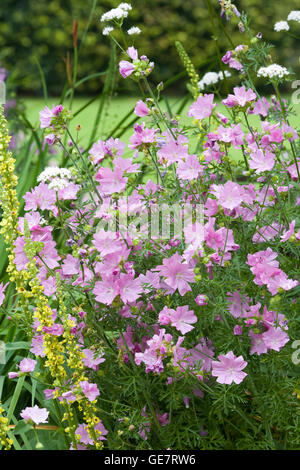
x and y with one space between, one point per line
42 30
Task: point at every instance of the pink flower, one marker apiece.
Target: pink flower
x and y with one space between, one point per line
2 292
142 135
237 330
141 109
202 108
90 360
189 168
182 318
90 390
241 97
41 196
84 435
229 369
261 162
201 299
37 346
56 329
233 135
261 107
258 345
176 274
238 306
105 291
111 181
275 338
47 114
27 365
35 414
230 195
126 68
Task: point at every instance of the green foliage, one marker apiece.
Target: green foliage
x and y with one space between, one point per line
39 34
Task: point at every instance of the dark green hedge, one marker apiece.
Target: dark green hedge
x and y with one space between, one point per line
42 29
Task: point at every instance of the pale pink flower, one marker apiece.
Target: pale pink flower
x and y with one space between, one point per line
261 162
275 338
27 365
177 275
2 292
229 368
90 390
230 195
202 108
141 109
35 414
241 97
182 318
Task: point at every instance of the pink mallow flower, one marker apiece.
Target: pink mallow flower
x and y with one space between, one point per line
181 318
35 414
27 365
275 338
46 115
261 162
84 436
90 390
177 274
40 197
90 360
202 108
230 195
241 97
141 109
229 368
2 292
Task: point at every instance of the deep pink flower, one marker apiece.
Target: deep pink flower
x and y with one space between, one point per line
201 299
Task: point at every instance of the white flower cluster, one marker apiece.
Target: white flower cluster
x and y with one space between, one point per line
294 16
281 26
273 71
134 30
56 178
106 31
210 78
117 13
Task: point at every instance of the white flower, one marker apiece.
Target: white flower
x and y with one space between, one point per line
51 173
294 16
210 78
134 30
125 6
106 31
114 14
273 71
281 26
58 183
